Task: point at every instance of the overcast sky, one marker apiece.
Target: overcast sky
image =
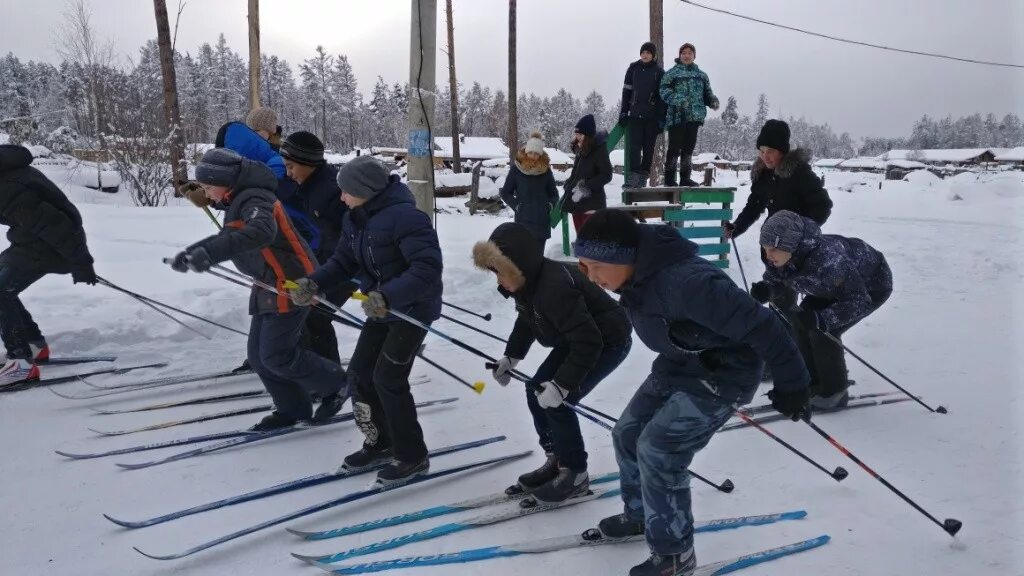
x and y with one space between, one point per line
586 44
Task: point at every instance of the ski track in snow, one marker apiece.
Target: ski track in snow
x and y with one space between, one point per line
951 331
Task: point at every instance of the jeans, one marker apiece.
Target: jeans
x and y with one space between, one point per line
17 328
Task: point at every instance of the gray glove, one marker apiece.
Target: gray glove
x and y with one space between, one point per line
579 192
503 371
551 395
375 305
305 292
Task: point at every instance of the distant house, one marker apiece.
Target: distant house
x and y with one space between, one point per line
940 157
1012 157
827 162
862 164
471 148
898 169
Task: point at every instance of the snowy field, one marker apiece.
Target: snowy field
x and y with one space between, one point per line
950 332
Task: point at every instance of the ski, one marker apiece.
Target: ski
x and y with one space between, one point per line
189 402
148 385
183 422
161 380
73 377
314 480
351 497
593 537
767 408
156 445
67 360
851 406
257 437
471 504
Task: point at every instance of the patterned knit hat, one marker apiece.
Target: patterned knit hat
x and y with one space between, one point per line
783 230
303 148
609 236
262 118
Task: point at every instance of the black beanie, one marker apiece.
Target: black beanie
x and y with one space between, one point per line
774 134
610 236
587 126
303 148
649 47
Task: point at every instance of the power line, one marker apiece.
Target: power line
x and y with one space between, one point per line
857 42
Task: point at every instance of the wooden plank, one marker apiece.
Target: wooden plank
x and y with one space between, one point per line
713 249
723 264
707 196
692 214
701 232
631 195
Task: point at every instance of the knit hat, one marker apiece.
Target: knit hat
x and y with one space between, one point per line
536 142
262 118
649 47
303 148
774 134
783 230
219 167
363 177
609 236
587 126
690 46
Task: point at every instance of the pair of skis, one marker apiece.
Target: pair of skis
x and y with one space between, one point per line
26 384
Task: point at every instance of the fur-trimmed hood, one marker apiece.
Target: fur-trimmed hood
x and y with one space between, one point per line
531 167
511 251
790 162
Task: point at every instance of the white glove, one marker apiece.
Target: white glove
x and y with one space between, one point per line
579 192
305 292
503 371
551 395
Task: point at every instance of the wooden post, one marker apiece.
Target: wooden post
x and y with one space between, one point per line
454 89
254 54
513 99
657 26
423 50
171 114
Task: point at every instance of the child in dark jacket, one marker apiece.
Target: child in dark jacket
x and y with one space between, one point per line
589 334
584 189
259 239
530 189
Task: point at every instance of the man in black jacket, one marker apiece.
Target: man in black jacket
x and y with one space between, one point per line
642 113
590 336
46 237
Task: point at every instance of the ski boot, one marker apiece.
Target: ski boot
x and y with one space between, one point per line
329 406
567 484
536 478
834 402
399 472
367 457
273 421
18 371
684 564
621 526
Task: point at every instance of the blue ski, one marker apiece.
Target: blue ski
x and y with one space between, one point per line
591 537
352 497
298 484
473 503
257 437
18 386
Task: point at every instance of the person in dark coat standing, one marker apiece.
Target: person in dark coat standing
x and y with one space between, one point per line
391 249
592 169
530 189
319 197
711 338
46 237
642 113
842 281
686 90
259 239
589 334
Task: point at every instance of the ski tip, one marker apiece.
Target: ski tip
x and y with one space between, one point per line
69 455
314 560
122 523
478 387
300 533
794 515
130 466
104 432
155 556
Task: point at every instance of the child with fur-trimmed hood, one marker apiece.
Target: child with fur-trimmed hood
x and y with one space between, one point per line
530 190
589 334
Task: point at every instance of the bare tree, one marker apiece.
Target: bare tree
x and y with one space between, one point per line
254 54
513 121
454 89
175 140
658 37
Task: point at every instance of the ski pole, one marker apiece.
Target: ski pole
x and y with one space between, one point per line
839 474
486 317
158 311
739 261
113 286
940 409
212 217
473 328
950 525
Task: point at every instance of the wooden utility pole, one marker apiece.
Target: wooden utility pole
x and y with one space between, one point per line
513 99
254 54
454 88
171 114
658 37
423 50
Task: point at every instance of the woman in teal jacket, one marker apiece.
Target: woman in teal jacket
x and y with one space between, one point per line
687 91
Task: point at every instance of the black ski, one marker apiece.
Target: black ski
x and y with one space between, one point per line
75 377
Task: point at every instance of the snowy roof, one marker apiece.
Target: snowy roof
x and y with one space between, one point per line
827 162
1012 155
906 164
472 147
937 155
863 163
557 157
705 157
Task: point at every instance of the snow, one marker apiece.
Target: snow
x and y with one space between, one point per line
951 332
705 158
863 163
558 158
1012 155
84 173
474 147
922 178
5 138
617 157
906 164
827 162
939 155
452 180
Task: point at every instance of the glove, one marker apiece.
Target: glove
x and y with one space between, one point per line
794 405
550 395
761 291
84 274
180 263
304 292
579 192
714 104
375 305
503 371
729 230
809 319
199 260
195 194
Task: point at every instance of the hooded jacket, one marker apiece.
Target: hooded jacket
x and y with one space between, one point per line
686 90
558 307
258 237
710 335
592 168
530 191
45 227
792 186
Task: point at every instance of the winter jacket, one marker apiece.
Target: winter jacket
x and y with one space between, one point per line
709 335
841 278
259 238
791 186
558 307
320 200
530 191
389 246
641 98
593 169
687 92
45 227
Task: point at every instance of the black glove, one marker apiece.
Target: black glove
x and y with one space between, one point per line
84 274
199 260
761 291
809 319
180 262
730 230
795 405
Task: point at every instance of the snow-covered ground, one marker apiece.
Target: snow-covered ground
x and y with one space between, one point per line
950 332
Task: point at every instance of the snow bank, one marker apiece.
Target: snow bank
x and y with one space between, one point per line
83 173
922 178
452 180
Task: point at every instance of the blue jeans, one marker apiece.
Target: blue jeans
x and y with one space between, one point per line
17 328
655 441
558 429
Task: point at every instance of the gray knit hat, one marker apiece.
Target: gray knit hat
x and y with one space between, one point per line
783 230
262 118
363 177
219 167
